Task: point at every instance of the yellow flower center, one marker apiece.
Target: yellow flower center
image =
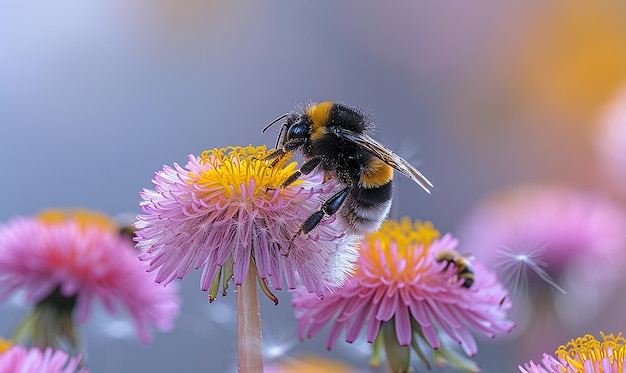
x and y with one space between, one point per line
587 348
405 236
242 171
80 216
5 345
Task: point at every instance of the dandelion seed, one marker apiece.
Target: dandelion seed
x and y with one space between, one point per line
515 265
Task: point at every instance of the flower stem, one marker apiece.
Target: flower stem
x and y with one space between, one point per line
249 345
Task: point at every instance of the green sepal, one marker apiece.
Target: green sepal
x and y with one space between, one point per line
398 357
215 285
377 347
263 284
444 355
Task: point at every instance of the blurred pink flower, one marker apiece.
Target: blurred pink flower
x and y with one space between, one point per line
19 359
400 291
67 260
549 229
584 355
226 210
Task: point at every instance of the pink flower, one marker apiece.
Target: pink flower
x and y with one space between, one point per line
19 359
401 291
551 232
548 365
67 260
584 355
226 210
568 222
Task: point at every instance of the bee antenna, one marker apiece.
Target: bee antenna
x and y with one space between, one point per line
273 122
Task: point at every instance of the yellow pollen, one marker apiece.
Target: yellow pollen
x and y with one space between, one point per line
81 216
404 233
405 236
5 345
587 348
237 171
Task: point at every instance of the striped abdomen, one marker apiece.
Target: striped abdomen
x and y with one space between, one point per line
370 200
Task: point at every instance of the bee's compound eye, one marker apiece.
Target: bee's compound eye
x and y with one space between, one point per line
299 129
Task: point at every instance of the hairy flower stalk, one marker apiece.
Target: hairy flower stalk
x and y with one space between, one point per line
249 342
405 298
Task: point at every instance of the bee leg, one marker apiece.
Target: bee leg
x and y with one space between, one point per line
330 207
310 165
292 145
306 169
287 148
276 155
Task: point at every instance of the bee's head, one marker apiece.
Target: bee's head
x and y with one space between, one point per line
298 127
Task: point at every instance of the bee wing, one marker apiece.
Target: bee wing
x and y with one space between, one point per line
387 156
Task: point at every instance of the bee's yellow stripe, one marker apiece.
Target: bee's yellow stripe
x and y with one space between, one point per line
376 173
318 114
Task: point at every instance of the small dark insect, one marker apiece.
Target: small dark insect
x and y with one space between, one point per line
463 268
334 139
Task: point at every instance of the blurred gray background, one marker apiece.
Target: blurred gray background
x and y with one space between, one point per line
97 96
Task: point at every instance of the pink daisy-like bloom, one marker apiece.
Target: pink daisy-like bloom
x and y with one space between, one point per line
571 223
65 260
572 240
18 359
401 292
226 211
584 355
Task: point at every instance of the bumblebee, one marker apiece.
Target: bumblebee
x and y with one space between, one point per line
127 231
334 139
463 268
